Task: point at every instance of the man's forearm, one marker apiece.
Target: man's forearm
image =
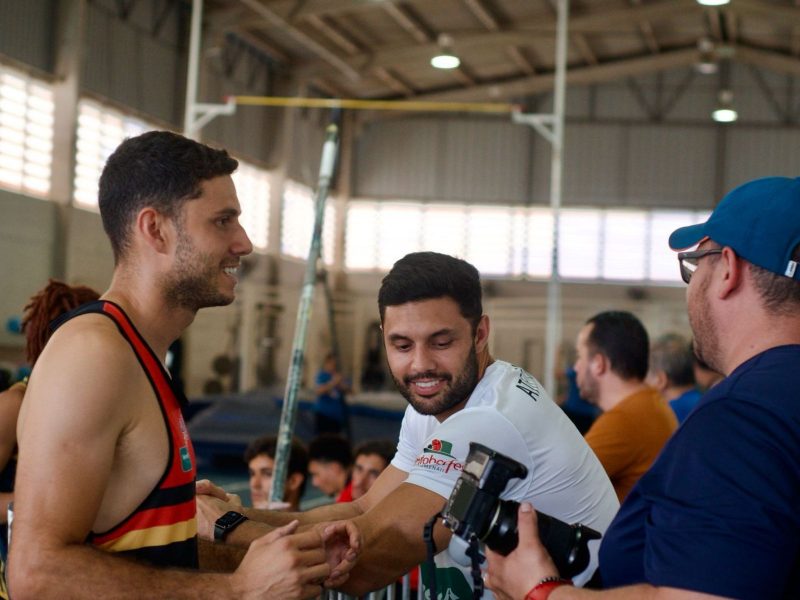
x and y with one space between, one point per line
82 571
263 521
329 512
220 558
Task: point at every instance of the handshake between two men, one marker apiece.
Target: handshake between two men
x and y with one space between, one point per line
285 560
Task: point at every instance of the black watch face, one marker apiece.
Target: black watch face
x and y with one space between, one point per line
229 518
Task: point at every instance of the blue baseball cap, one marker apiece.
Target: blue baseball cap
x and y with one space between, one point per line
760 220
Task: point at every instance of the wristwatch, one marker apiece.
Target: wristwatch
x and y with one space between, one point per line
227 523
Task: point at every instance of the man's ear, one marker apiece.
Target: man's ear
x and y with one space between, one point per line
482 333
730 270
155 229
598 364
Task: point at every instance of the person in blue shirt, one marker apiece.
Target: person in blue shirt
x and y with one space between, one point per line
671 373
330 407
717 514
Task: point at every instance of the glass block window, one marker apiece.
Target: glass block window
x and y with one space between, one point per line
253 189
297 224
100 130
26 133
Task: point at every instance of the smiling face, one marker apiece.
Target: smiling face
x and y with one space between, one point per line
210 243
433 354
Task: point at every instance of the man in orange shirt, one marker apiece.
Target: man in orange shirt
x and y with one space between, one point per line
613 354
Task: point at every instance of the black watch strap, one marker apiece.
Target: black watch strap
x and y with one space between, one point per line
227 523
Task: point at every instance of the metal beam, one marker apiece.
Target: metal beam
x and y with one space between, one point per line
394 82
323 53
779 13
479 10
714 24
649 37
585 50
343 41
771 61
784 115
520 60
262 46
520 35
333 90
601 73
408 22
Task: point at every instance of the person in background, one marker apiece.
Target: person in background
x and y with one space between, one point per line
371 458
329 460
705 376
671 373
612 351
580 412
260 459
330 407
52 301
716 516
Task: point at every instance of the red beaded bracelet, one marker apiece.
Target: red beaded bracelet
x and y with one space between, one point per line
542 590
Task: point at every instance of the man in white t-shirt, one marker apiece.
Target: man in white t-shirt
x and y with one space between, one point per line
436 339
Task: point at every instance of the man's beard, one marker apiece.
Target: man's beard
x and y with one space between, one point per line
706 342
193 283
456 392
588 388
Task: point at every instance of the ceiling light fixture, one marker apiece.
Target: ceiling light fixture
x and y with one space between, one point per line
713 2
708 58
724 112
445 59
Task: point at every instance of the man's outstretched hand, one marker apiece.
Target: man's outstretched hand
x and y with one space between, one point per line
342 541
283 564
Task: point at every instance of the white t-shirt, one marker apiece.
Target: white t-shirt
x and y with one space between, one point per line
510 412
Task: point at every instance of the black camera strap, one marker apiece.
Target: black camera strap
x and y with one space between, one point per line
473 551
430 546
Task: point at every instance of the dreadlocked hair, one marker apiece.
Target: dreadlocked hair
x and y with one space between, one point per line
52 301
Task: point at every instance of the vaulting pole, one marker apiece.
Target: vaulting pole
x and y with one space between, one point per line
289 414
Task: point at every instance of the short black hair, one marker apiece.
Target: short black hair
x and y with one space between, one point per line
268 445
672 353
622 338
331 447
383 448
159 169
429 275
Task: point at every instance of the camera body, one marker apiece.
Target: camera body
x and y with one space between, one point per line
475 509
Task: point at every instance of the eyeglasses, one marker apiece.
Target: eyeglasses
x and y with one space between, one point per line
688 261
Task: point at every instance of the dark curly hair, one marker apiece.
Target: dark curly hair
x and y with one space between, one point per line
50 302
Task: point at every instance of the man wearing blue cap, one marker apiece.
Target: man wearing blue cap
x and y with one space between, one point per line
717 514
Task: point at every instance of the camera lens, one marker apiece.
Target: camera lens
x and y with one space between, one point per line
501 535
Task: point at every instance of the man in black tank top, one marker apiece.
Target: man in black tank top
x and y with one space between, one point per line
106 466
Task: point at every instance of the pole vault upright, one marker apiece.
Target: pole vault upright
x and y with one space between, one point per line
551 127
